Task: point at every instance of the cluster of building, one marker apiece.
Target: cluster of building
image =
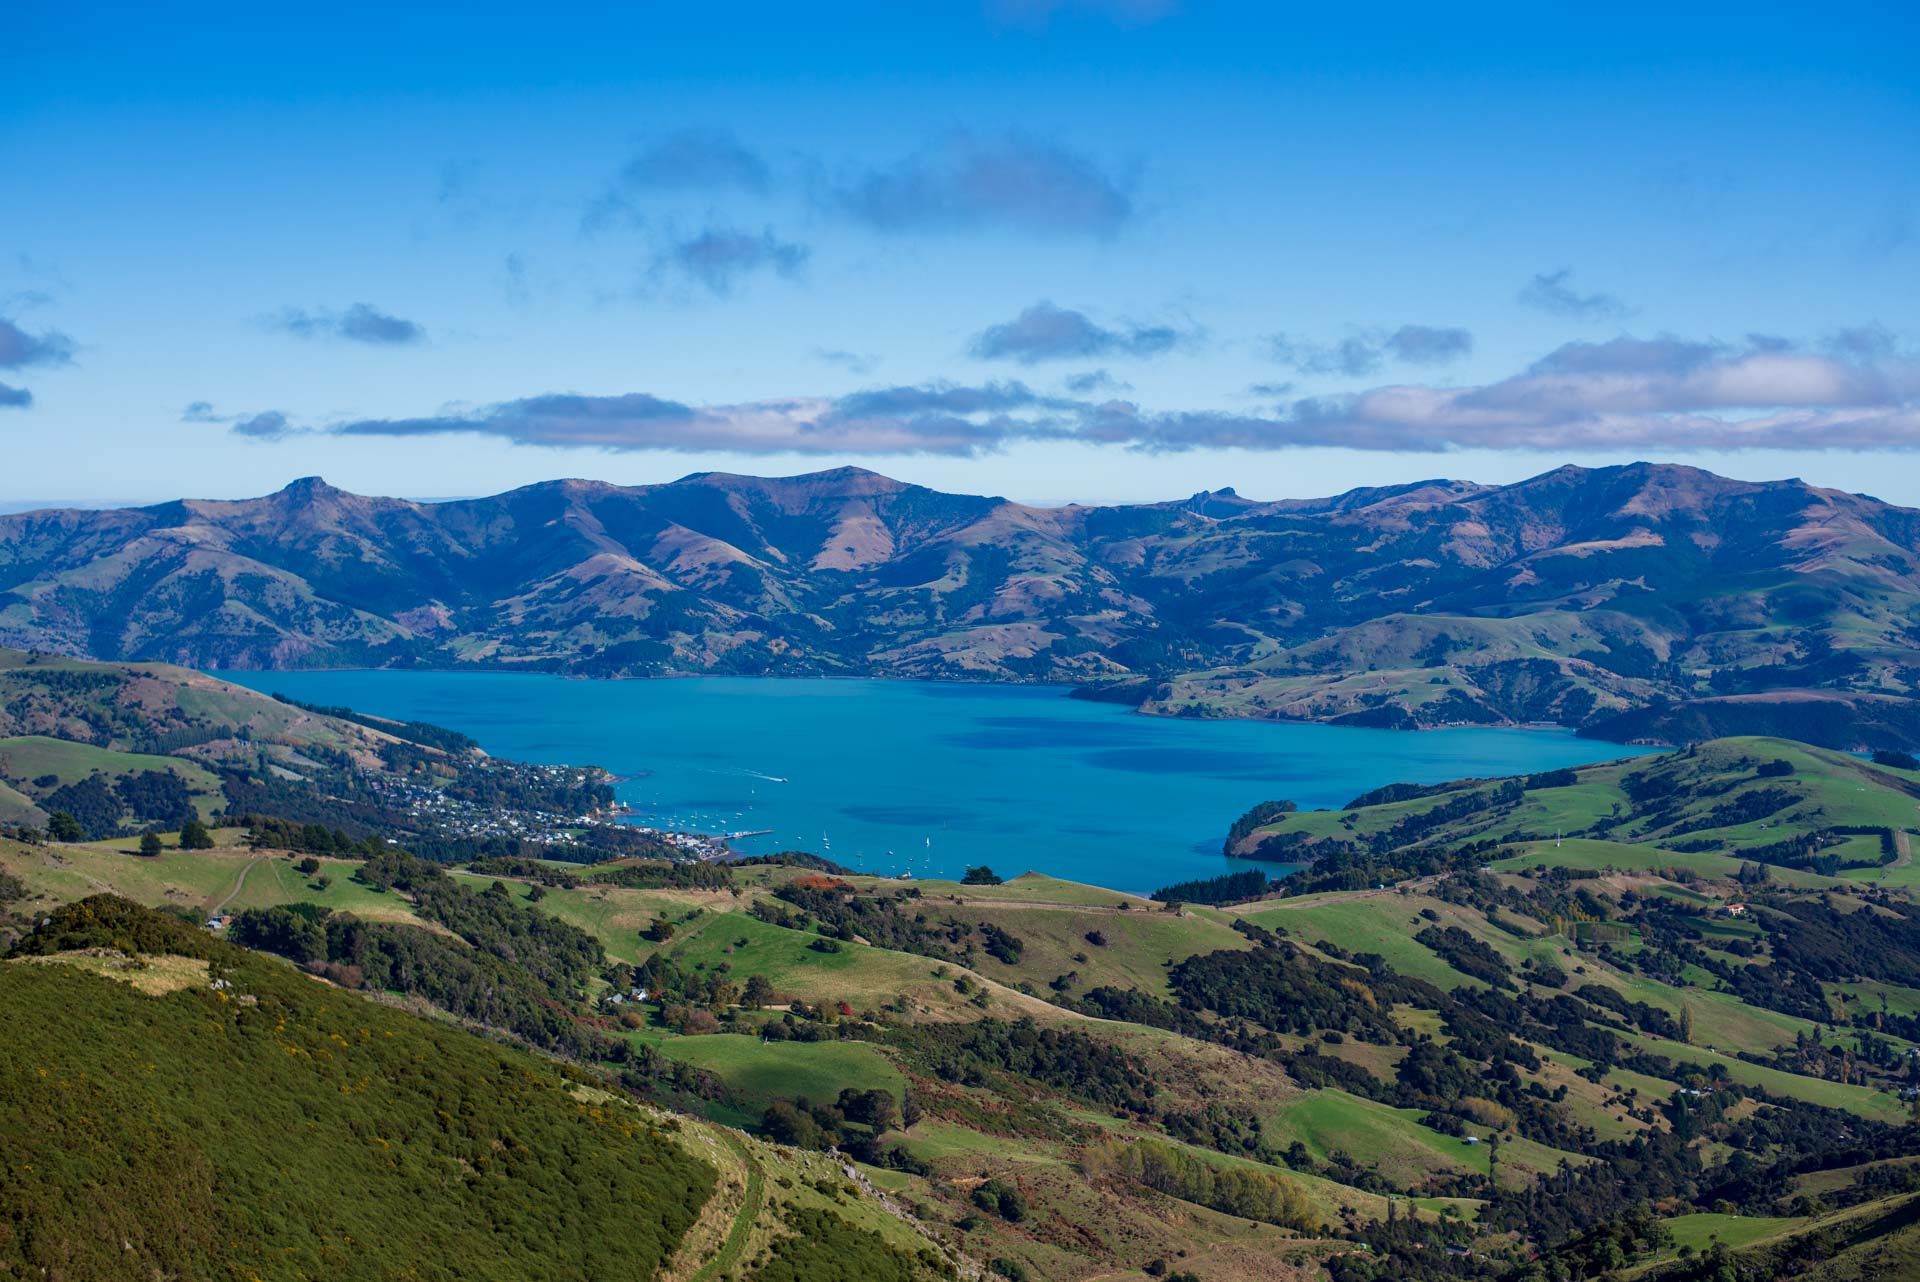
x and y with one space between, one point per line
694 845
458 817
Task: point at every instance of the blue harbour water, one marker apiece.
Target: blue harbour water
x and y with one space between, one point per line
929 778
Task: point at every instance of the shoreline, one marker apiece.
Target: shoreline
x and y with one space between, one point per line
1063 689
1060 689
1220 766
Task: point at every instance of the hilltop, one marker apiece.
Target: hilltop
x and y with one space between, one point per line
1639 602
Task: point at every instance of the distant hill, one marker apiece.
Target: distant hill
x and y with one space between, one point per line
158 708
1572 597
1759 800
124 748
93 739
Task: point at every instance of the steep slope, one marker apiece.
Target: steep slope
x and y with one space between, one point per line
177 1107
1571 597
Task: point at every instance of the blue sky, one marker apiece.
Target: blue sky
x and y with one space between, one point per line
1063 250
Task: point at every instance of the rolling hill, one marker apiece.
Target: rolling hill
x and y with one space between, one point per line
175 1106
1650 1018
1637 601
123 748
1776 802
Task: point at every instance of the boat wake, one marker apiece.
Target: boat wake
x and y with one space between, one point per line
741 772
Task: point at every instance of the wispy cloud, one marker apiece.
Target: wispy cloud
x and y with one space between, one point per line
1871 342
1044 332
1626 394
1013 183
266 425
513 280
22 350
1554 292
1366 352
934 418
1095 382
19 349
862 363
719 257
691 160
269 426
360 323
696 158
962 182
1429 344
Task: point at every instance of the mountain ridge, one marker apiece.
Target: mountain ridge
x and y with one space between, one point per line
1427 603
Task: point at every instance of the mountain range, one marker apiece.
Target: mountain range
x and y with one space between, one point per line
1635 601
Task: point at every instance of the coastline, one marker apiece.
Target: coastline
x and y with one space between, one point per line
1633 720
932 776
1065 690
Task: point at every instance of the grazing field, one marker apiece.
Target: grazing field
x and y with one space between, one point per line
1494 1019
762 1072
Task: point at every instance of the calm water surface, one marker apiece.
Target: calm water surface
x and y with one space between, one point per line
896 776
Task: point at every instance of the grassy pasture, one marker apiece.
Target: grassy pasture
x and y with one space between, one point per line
25 758
765 1071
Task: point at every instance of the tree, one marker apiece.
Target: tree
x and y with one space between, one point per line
62 826
786 1124
308 866
1002 1199
758 992
194 836
660 930
981 876
150 844
876 1108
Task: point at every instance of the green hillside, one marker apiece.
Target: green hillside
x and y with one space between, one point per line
127 748
271 1127
172 1105
1522 1044
1794 807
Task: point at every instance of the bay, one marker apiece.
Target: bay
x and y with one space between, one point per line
930 777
